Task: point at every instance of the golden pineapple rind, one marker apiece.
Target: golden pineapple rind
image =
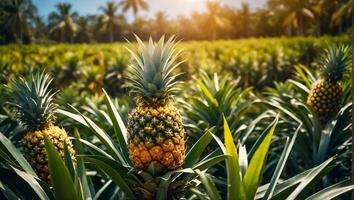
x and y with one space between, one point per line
324 99
35 152
156 134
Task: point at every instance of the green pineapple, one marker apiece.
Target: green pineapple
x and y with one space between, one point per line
156 136
33 102
326 93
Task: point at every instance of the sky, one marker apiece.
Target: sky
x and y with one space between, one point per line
172 8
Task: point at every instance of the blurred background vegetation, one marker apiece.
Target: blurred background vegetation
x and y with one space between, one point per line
20 21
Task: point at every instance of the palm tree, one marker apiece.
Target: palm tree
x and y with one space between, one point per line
245 18
343 12
134 5
293 13
18 15
161 25
141 27
213 20
40 30
325 11
63 22
320 9
84 34
109 20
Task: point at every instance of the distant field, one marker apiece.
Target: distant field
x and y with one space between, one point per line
258 61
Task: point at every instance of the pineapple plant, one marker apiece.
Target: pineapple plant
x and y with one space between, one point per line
33 103
94 80
326 93
156 136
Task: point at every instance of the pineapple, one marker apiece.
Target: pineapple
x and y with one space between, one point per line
156 136
326 93
33 103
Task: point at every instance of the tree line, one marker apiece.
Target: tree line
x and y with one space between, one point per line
21 23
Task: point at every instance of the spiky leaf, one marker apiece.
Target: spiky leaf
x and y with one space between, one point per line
152 69
33 101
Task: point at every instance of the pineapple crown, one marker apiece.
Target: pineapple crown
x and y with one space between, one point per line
335 61
33 101
151 69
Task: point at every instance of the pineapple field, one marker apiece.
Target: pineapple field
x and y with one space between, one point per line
247 119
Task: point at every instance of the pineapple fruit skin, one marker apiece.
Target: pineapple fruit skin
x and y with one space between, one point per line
325 99
35 151
156 134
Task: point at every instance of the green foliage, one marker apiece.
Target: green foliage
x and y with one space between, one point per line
216 97
60 175
245 187
236 187
251 156
297 187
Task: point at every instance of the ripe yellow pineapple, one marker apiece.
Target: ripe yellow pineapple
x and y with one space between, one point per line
156 136
326 93
33 102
